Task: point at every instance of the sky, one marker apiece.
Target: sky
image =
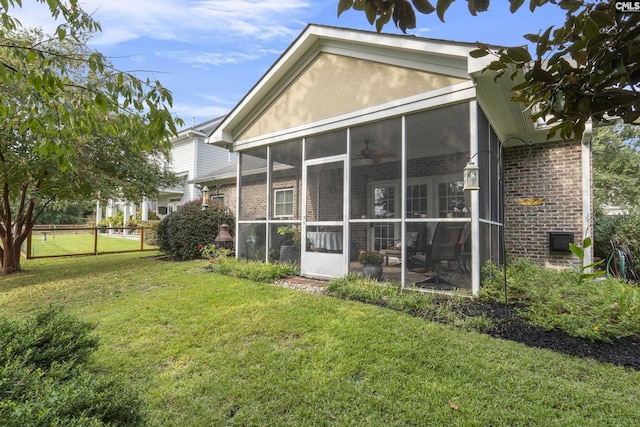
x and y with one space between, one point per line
210 53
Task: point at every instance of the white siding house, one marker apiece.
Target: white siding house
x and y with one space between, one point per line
190 156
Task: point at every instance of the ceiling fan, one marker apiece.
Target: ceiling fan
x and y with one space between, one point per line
371 154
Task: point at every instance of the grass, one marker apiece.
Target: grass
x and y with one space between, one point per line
82 243
207 349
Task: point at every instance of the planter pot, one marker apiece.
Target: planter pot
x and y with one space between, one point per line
372 271
288 254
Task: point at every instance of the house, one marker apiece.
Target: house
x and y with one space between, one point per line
360 141
190 156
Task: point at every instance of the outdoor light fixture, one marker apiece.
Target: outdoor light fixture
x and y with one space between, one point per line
224 238
205 198
471 177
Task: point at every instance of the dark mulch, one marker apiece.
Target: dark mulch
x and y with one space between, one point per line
509 325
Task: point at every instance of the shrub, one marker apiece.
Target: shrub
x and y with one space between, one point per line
371 258
601 310
48 338
253 270
618 230
357 287
183 233
44 380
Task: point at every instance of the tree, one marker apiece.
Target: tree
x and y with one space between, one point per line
71 126
588 69
616 166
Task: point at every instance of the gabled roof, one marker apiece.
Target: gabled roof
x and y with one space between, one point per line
442 57
201 130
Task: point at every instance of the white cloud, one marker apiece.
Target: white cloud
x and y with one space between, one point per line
207 58
200 112
192 20
182 20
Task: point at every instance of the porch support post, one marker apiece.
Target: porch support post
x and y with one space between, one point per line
475 202
144 206
267 234
587 217
403 210
98 212
238 201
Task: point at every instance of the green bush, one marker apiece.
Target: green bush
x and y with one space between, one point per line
183 233
44 380
357 287
48 338
253 270
621 230
598 309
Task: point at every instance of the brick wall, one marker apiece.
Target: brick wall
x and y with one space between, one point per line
551 171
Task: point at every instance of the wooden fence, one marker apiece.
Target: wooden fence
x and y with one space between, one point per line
50 241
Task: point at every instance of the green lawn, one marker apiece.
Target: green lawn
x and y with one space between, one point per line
213 350
68 243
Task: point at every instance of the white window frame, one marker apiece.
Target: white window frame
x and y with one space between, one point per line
276 204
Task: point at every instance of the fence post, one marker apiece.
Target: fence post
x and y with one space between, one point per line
95 240
29 244
141 237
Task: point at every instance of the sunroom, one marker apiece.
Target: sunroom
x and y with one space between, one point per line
356 142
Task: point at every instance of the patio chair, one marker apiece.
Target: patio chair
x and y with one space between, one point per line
449 239
416 248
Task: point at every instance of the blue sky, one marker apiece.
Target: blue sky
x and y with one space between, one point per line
209 53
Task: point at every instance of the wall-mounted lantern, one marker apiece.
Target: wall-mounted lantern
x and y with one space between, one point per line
471 177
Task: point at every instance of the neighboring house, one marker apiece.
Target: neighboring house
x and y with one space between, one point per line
361 139
190 156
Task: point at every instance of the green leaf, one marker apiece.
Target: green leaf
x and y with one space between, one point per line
478 53
441 8
370 12
584 105
344 5
496 65
519 54
576 250
591 29
601 18
515 5
543 43
382 21
61 32
423 6
404 16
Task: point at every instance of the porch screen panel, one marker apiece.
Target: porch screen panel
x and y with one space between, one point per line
253 190
488 160
437 150
326 145
286 180
325 189
376 154
285 242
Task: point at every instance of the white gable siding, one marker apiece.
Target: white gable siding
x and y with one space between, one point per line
211 157
182 158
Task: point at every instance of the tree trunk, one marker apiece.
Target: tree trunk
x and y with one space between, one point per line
11 255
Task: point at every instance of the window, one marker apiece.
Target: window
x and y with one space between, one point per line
451 199
283 203
417 200
216 200
173 204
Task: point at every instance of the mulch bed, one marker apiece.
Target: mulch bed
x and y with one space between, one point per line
509 325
